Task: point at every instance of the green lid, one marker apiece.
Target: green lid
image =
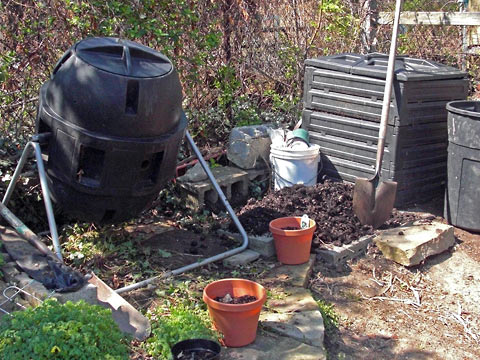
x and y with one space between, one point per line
302 134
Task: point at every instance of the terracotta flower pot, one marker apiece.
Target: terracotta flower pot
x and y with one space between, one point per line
292 246
237 322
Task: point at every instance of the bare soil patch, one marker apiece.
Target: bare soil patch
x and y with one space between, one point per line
387 311
329 204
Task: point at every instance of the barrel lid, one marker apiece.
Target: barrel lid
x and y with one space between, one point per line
375 65
123 57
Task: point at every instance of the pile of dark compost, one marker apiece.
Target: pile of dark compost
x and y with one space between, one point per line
228 299
329 204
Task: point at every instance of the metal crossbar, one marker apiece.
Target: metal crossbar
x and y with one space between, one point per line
10 293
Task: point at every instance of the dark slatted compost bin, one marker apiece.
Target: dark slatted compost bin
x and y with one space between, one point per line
343 97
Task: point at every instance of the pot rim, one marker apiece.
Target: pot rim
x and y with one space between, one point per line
234 307
278 231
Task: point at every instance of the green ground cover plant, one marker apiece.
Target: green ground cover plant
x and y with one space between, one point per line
73 331
181 323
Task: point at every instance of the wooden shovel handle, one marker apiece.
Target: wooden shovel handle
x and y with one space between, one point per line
388 90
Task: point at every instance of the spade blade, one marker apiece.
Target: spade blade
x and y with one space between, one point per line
373 201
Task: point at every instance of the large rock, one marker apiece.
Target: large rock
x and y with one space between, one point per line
249 145
411 244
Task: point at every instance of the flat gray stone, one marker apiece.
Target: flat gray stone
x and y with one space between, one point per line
10 271
291 275
35 290
196 173
5 305
306 327
88 293
243 258
248 145
411 244
270 346
293 299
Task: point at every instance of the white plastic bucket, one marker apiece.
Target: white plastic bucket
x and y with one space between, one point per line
292 166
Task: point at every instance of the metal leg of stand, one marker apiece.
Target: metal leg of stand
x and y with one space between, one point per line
45 190
210 259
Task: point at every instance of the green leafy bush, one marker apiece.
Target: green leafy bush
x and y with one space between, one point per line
182 323
55 331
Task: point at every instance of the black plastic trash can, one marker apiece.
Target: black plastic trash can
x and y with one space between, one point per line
462 196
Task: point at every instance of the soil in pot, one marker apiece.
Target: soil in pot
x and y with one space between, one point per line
228 299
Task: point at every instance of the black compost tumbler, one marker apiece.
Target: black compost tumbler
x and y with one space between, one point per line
113 114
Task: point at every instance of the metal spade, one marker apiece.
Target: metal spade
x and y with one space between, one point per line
373 199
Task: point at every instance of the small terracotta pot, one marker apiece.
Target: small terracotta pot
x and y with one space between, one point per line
237 322
292 246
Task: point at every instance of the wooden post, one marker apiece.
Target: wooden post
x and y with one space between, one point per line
369 26
473 32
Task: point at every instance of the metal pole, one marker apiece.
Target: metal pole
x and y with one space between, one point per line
210 259
45 191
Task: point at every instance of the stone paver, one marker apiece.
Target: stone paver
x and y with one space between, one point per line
291 275
295 299
411 244
306 327
242 258
270 346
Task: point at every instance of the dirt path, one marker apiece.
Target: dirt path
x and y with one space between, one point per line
386 311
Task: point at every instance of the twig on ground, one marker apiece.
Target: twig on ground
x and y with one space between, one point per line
458 318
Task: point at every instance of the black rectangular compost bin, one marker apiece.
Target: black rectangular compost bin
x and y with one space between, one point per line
343 97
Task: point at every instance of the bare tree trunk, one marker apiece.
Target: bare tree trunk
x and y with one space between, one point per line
369 26
227 29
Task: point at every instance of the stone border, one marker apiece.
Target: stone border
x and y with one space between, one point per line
332 255
336 255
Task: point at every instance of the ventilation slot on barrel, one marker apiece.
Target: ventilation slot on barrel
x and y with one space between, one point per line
90 165
131 103
149 168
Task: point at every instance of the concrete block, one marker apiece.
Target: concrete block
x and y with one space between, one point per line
260 174
306 327
243 258
262 244
411 244
233 182
336 255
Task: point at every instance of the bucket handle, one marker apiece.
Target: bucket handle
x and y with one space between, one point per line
289 182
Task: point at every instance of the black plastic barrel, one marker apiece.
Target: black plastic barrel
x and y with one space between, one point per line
113 108
462 197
